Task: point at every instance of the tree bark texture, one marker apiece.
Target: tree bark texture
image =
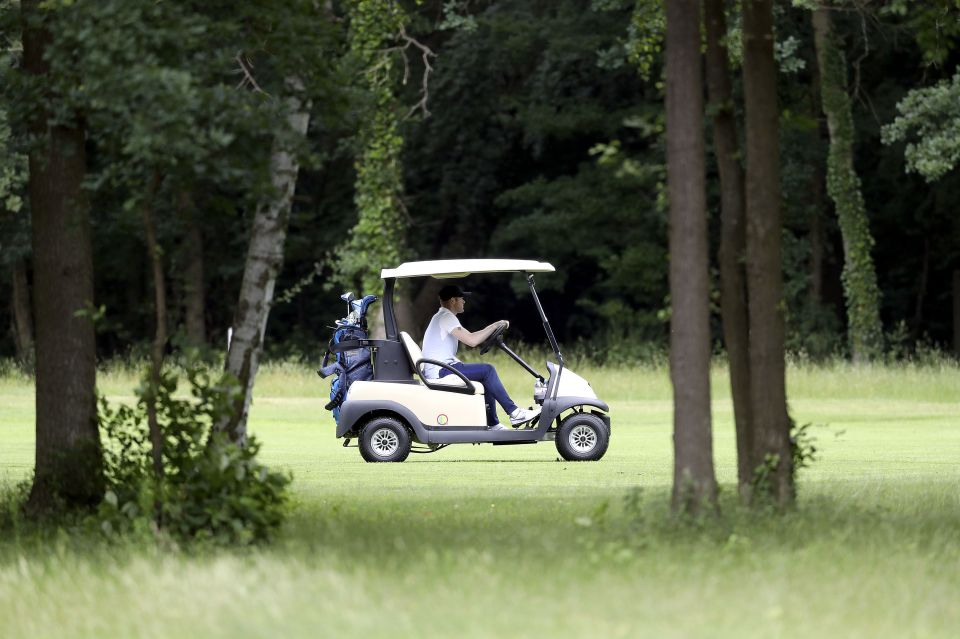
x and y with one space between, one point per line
155 256
414 311
22 316
771 457
694 482
69 462
956 313
733 237
194 287
264 259
843 184
922 285
818 202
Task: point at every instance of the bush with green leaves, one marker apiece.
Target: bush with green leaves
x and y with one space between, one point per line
208 488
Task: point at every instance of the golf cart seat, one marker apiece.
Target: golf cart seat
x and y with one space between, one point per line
455 382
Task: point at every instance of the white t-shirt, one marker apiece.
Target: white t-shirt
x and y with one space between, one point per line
438 343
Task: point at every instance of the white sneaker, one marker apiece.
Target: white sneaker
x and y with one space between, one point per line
523 415
497 426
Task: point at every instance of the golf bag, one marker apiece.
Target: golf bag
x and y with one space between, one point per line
348 353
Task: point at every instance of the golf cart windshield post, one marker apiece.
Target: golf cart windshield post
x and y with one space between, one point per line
389 321
546 322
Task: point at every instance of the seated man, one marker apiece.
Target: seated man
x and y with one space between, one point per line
440 343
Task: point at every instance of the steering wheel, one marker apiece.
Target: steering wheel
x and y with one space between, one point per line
491 341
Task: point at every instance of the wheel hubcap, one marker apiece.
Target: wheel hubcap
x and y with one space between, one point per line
582 439
384 442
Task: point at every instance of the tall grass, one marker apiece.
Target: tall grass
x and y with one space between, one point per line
509 542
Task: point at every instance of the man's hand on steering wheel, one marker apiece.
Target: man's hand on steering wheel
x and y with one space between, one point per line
492 339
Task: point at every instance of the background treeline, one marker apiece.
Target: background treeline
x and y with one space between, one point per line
542 136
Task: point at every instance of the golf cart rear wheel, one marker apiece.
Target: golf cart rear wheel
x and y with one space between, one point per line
384 439
582 437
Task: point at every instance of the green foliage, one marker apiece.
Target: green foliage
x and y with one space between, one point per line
13 171
12 499
929 123
621 244
803 452
802 446
210 488
934 24
14 216
642 47
457 17
545 124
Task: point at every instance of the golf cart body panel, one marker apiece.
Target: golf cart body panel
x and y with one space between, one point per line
452 409
552 408
569 384
430 407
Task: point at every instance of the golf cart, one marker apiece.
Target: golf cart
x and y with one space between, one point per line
400 410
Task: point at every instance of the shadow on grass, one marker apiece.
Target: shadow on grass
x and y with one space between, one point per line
570 530
490 461
624 525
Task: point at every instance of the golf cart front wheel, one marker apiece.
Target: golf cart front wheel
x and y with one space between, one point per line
582 437
384 439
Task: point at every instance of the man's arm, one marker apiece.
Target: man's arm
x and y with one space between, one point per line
476 338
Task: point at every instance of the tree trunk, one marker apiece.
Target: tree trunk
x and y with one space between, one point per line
817 200
69 460
160 338
694 482
22 317
922 285
816 239
771 460
956 313
733 238
843 184
194 288
426 304
264 258
414 311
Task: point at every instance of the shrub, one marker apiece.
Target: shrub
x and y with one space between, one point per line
209 488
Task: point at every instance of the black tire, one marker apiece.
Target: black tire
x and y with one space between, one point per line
384 439
582 437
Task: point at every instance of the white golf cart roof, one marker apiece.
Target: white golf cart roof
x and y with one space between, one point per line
443 269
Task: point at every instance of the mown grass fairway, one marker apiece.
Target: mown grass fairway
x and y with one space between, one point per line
478 541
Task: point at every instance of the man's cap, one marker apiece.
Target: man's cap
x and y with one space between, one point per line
450 291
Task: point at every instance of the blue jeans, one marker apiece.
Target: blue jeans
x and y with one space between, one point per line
493 388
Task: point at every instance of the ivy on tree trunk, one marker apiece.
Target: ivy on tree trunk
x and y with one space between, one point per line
377 239
859 277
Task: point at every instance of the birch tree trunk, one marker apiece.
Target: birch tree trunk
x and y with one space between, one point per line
264 259
843 184
772 455
694 481
733 237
